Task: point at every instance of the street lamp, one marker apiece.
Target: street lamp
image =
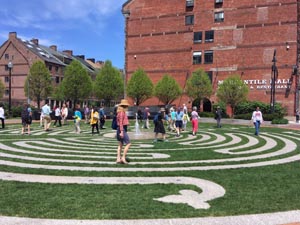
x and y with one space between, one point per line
274 76
10 66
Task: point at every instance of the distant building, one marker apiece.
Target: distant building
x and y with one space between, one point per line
23 54
220 36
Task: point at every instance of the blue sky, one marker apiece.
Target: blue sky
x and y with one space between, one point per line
94 28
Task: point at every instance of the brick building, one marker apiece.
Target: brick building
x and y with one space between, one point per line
23 54
223 37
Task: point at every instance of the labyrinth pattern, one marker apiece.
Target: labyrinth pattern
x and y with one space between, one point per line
62 149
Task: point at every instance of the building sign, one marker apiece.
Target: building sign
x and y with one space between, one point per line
265 84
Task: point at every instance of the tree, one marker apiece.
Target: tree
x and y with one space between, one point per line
139 87
167 90
39 81
77 84
2 89
109 83
232 91
199 86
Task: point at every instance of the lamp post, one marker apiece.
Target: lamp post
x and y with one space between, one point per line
10 66
274 76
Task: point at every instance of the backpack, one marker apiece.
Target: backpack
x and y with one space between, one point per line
114 124
155 119
25 115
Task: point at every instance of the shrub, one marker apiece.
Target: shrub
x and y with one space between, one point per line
280 121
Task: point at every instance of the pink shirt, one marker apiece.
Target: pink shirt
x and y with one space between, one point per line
122 120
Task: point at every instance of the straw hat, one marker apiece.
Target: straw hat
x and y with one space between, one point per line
124 102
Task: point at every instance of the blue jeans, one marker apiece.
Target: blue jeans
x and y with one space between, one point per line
257 126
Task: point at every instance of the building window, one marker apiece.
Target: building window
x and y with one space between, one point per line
218 3
219 16
50 68
209 36
6 79
57 80
197 37
197 57
6 92
210 74
6 56
189 20
189 3
208 57
6 67
56 69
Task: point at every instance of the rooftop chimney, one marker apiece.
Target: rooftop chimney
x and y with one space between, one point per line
35 41
68 52
92 60
12 35
81 56
53 47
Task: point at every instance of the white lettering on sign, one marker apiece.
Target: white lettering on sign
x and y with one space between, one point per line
265 84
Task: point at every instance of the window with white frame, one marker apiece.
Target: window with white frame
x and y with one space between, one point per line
198 37
209 36
208 57
219 16
189 20
197 57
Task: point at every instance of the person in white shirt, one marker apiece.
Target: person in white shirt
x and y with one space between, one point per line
64 114
257 119
2 117
57 116
47 119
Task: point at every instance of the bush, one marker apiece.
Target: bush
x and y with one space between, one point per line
280 121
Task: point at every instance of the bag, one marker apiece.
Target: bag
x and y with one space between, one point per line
114 124
155 119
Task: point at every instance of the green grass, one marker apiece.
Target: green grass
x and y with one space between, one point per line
248 190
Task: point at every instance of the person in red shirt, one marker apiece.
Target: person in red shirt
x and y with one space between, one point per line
122 136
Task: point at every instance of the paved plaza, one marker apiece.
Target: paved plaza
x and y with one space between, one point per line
145 159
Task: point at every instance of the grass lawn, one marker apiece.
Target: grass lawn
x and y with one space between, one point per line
249 189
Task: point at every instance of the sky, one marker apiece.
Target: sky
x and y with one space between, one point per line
94 28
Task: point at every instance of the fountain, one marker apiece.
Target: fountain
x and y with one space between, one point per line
137 126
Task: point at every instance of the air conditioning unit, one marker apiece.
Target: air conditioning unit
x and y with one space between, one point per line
189 3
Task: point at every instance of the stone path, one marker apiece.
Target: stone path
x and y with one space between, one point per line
210 190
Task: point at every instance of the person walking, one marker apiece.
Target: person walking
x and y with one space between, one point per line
46 115
178 122
57 116
64 114
146 115
25 117
77 118
94 119
102 117
218 116
159 125
86 114
122 136
194 118
2 116
257 119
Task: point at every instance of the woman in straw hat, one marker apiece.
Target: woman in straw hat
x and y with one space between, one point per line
122 136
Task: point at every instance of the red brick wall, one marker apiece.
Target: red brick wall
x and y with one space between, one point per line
243 44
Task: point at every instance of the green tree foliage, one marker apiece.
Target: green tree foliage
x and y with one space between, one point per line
39 81
199 86
109 84
233 91
2 89
167 90
139 87
77 84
